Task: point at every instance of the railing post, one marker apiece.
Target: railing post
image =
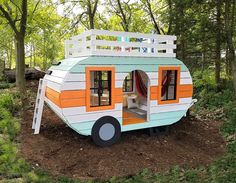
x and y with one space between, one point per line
149 50
93 42
169 42
122 40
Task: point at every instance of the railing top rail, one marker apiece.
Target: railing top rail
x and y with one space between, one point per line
99 43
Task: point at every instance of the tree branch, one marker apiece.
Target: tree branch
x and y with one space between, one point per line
11 22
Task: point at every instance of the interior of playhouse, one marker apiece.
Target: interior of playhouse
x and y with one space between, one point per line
135 97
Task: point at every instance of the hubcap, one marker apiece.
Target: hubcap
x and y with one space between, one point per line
107 131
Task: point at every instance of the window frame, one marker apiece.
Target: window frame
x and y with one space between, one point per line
160 72
128 80
88 88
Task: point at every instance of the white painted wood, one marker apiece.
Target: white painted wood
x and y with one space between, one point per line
185 75
53 85
134 35
186 81
154 103
79 46
154 82
81 85
119 83
124 44
185 100
71 111
120 76
148 101
59 73
168 108
93 116
38 111
152 75
54 79
75 77
54 107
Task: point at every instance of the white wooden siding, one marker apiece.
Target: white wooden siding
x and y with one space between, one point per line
93 116
82 110
75 77
81 85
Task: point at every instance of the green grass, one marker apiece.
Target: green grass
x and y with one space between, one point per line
14 169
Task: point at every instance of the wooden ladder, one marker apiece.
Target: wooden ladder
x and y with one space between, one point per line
38 110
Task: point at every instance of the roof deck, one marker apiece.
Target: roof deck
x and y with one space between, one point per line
116 43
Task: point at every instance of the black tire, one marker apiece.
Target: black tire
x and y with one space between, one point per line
106 131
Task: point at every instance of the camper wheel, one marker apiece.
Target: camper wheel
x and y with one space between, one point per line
106 131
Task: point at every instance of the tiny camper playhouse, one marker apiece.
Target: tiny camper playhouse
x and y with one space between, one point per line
111 82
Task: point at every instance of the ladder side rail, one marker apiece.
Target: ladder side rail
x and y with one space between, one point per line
40 107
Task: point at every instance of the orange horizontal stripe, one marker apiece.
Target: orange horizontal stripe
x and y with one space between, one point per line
72 103
188 87
185 94
53 93
53 99
73 94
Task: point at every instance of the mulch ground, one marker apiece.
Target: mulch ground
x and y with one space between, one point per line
61 151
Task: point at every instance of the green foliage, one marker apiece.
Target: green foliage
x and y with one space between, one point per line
4 85
8 124
205 90
10 102
11 165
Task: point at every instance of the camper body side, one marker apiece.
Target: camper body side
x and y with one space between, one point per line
67 91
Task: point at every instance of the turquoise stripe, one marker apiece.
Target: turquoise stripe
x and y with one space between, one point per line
81 127
130 61
124 68
122 64
165 115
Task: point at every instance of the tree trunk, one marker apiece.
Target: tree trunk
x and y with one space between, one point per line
218 42
20 64
229 29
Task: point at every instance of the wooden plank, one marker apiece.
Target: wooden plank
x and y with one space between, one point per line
59 73
54 79
80 85
54 86
66 103
75 77
168 108
72 94
93 116
133 35
157 46
71 111
186 81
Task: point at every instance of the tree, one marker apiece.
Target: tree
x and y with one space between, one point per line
229 30
149 8
19 34
218 40
124 11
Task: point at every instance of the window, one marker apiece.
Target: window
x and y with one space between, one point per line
168 84
99 88
128 83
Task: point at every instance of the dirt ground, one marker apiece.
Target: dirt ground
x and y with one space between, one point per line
61 151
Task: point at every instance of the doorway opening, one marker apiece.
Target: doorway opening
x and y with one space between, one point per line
135 97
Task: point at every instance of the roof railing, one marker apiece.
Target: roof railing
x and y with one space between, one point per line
116 43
